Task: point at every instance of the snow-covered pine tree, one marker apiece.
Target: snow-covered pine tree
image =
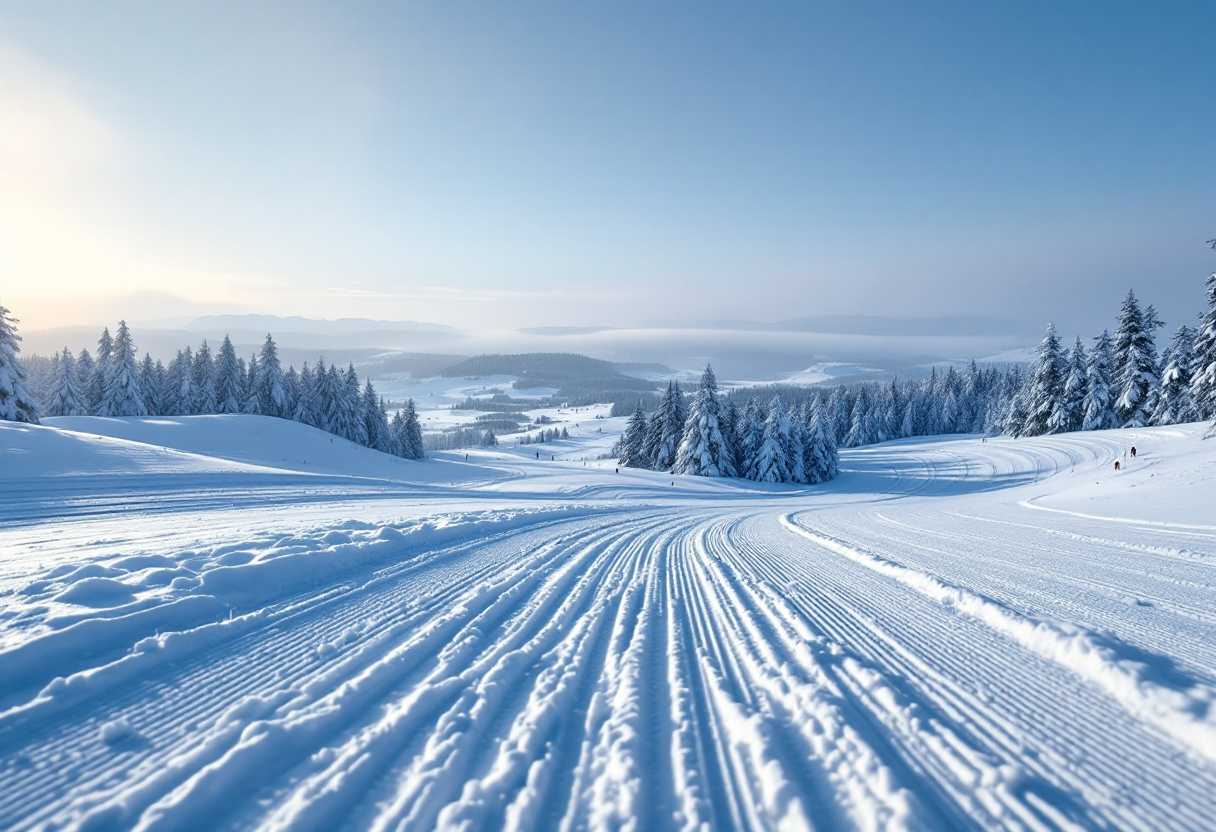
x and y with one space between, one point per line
704 450
150 384
1099 395
1076 384
951 412
375 428
396 434
412 443
654 436
1173 404
252 405
352 421
931 414
1135 370
859 425
123 395
729 421
836 415
749 430
1045 393
820 457
306 399
85 367
17 404
229 379
1016 412
1203 379
1151 324
633 441
291 387
203 372
189 398
910 417
672 411
268 383
66 397
101 371
796 442
328 393
772 462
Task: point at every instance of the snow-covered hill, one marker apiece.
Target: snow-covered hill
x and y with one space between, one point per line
237 622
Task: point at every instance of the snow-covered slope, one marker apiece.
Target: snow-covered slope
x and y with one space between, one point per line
206 628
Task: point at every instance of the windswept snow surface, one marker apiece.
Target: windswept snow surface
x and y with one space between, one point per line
237 622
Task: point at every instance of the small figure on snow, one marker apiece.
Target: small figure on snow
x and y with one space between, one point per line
1116 465
1133 450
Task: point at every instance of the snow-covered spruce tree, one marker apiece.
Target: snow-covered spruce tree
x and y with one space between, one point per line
1173 405
328 391
396 435
123 395
1135 371
820 457
1045 393
950 410
704 450
796 440
291 388
204 380
307 409
837 414
859 424
1016 412
85 367
633 441
749 430
375 428
1203 380
729 421
268 384
229 379
252 405
101 371
1099 394
1076 384
654 436
181 394
672 421
412 442
151 383
66 397
771 463
356 431
17 404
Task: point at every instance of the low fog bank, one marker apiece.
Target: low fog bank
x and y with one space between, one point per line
738 350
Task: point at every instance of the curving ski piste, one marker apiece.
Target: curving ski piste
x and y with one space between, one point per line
955 634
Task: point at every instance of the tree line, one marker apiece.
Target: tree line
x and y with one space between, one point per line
769 442
196 382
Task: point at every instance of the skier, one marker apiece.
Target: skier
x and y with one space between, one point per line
1116 465
1133 450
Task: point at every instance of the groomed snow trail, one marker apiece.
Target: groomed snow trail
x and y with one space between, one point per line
930 643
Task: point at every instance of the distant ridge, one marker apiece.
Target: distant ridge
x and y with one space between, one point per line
311 326
955 325
565 330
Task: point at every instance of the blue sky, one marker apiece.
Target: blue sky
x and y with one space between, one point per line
515 164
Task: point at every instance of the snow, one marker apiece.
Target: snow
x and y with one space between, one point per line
246 620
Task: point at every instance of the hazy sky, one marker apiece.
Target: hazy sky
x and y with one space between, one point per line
605 163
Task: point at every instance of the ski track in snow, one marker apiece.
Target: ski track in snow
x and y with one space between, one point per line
928 643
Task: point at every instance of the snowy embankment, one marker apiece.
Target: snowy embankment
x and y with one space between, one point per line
287 632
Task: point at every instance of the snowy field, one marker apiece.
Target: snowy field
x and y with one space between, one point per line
240 622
